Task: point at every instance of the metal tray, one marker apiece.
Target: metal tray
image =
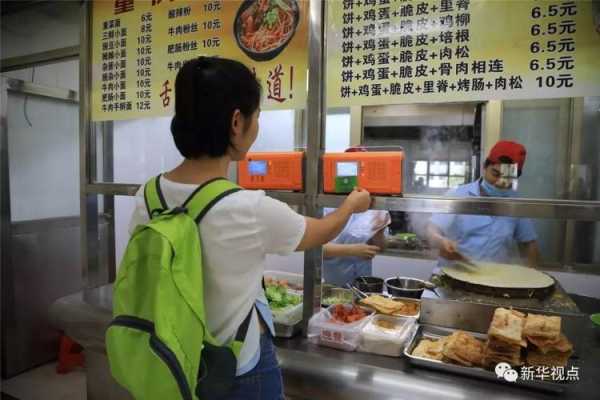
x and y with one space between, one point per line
287 331
435 332
405 299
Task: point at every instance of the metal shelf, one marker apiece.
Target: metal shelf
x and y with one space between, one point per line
113 189
426 254
130 189
532 208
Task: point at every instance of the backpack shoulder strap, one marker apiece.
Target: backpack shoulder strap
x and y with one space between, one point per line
153 197
207 195
197 204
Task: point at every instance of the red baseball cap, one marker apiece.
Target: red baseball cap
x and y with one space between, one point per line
512 150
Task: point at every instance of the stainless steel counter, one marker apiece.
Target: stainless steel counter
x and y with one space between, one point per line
314 372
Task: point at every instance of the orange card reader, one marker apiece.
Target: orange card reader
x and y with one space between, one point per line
378 172
271 170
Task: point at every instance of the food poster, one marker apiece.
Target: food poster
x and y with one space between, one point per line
138 47
403 51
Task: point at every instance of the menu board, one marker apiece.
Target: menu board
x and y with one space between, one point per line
401 51
139 45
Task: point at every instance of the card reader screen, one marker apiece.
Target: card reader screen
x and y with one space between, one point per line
347 169
257 168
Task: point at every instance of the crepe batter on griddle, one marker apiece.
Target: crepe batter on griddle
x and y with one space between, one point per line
500 275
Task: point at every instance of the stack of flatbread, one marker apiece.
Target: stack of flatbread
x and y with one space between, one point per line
431 349
387 306
505 338
463 348
546 345
550 347
460 347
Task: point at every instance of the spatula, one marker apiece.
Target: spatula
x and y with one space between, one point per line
468 263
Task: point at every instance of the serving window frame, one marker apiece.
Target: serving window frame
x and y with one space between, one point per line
313 199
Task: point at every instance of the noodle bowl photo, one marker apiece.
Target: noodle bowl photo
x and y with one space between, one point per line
264 27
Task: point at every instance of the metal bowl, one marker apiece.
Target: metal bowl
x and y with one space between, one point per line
405 287
369 284
331 291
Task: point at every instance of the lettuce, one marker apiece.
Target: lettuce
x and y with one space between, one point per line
278 297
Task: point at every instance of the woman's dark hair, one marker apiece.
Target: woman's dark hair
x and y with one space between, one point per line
207 92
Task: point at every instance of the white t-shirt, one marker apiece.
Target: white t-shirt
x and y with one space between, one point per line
236 235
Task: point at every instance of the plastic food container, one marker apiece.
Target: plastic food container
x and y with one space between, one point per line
337 335
290 315
331 295
398 314
287 316
295 281
386 341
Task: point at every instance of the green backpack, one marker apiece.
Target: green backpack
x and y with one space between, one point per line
157 344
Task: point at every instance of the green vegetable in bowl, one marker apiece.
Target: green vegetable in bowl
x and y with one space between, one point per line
330 300
279 297
271 17
405 236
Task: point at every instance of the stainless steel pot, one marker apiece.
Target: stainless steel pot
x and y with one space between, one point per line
407 287
369 284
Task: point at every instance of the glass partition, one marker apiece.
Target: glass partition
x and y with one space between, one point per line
560 242
142 148
43 157
337 130
559 135
565 247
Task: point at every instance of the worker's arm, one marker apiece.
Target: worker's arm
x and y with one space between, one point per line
531 252
319 231
350 250
448 248
378 239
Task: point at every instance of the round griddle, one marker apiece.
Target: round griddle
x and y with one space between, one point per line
515 293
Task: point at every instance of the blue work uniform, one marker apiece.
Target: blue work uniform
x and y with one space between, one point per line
341 270
483 237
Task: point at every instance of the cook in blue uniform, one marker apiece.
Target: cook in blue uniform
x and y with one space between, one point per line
482 237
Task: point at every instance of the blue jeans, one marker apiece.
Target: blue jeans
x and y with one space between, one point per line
263 382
